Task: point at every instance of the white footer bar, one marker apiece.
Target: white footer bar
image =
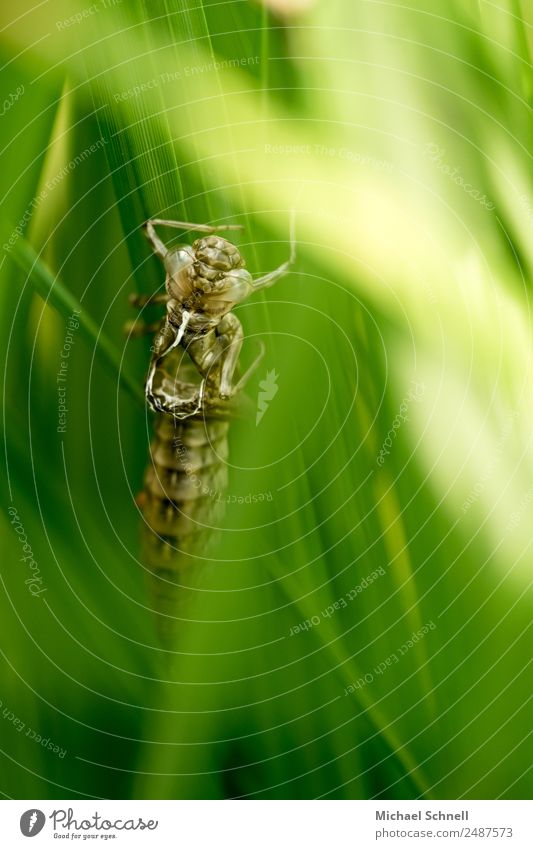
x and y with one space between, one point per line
267 824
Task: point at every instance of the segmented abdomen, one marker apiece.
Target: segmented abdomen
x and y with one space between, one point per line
181 505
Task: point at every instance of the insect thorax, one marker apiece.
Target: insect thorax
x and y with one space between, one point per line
205 279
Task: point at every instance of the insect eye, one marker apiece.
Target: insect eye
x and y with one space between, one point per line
179 259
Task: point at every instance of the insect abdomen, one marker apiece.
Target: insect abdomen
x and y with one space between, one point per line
181 505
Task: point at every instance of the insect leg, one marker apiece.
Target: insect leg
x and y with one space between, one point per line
140 301
186 225
272 276
230 332
169 337
158 247
165 340
135 329
250 370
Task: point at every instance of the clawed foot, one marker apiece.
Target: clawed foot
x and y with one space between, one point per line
226 393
